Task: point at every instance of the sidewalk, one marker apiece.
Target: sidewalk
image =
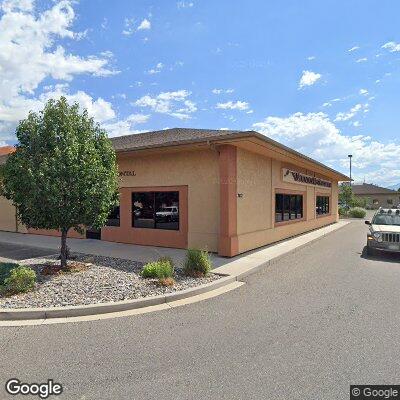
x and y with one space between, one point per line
238 266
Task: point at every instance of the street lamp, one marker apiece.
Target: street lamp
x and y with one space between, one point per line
350 157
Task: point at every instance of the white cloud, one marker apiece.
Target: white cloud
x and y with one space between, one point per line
233 105
126 126
353 49
316 135
156 70
345 116
392 46
130 28
361 60
311 58
364 92
308 78
17 5
30 52
176 104
144 25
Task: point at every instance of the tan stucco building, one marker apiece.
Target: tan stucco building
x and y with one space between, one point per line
376 196
225 191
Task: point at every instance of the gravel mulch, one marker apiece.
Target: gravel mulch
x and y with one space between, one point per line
106 280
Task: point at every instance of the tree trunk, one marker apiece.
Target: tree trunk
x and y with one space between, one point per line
63 255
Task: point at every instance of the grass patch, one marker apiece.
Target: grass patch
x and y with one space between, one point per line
160 269
197 263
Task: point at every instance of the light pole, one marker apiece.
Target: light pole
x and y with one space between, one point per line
350 157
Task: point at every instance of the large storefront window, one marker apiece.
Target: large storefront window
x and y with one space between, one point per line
155 210
322 205
288 207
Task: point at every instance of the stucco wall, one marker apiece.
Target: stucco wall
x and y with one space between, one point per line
382 200
258 179
198 170
7 215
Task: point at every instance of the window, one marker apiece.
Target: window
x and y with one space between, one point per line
155 210
390 201
113 218
322 205
288 207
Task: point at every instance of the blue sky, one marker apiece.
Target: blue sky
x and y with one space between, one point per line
321 77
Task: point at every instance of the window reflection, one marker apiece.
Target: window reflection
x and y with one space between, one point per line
155 210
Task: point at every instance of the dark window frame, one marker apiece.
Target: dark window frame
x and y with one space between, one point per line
289 207
155 194
322 205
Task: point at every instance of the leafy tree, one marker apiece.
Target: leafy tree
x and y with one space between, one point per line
63 174
346 196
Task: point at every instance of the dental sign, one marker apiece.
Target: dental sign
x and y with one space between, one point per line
299 178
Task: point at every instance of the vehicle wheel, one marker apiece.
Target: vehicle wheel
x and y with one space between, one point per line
371 251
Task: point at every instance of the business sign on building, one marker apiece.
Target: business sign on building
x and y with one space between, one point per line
299 178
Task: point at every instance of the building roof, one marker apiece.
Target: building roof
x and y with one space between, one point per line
6 150
181 136
168 137
368 188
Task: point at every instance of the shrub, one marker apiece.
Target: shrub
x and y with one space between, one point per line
343 211
21 280
168 260
197 263
5 270
357 212
158 269
166 282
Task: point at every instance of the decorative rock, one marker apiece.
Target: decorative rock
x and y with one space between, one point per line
106 279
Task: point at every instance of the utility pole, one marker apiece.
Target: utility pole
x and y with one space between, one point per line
350 157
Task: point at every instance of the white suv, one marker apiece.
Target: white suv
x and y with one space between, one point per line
384 232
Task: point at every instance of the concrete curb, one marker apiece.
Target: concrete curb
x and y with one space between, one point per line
104 308
253 270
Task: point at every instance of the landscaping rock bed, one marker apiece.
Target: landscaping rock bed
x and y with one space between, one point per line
103 280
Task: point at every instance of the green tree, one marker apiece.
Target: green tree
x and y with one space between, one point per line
63 174
346 196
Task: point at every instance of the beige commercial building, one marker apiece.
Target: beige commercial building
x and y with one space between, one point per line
376 196
225 191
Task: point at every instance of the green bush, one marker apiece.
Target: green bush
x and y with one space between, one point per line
21 280
197 263
168 260
343 211
5 269
158 269
357 212
359 202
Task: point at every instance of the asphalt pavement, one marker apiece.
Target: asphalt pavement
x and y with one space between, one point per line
306 327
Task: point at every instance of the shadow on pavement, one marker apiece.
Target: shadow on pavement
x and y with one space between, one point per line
381 256
19 252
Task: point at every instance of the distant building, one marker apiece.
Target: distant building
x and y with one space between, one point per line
377 196
6 150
